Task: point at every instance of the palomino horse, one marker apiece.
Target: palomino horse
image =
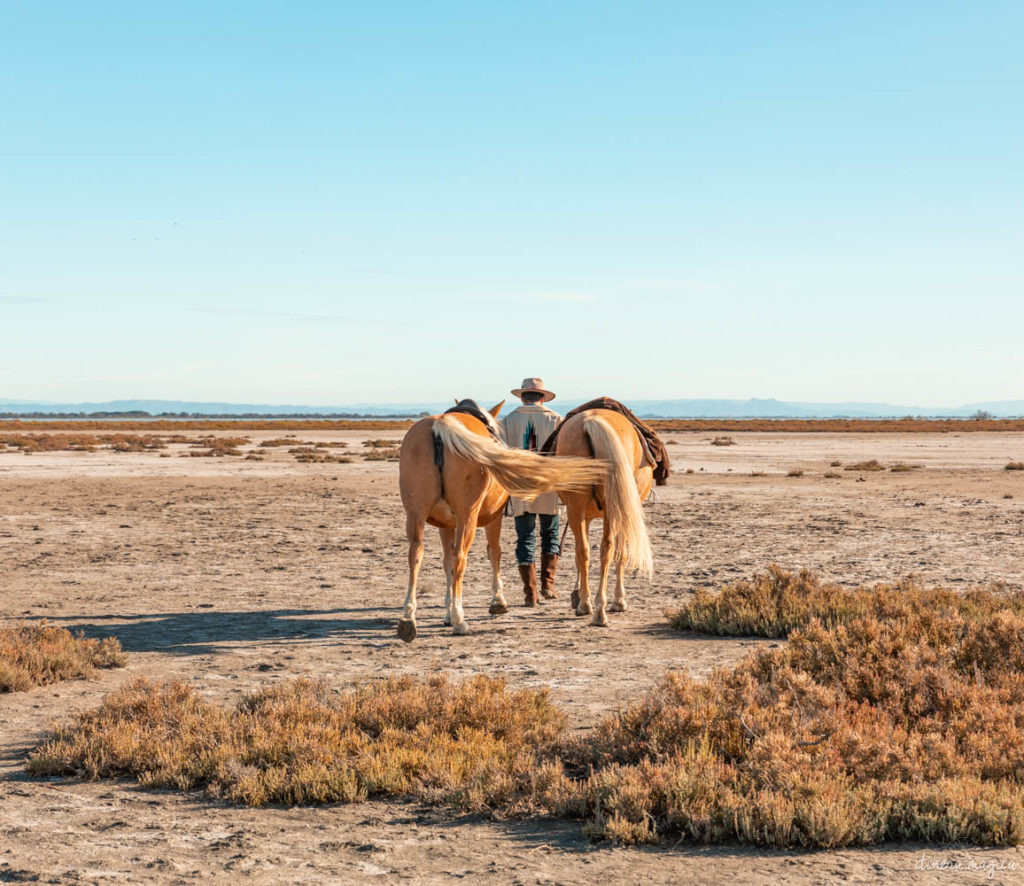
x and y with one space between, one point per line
602 433
455 474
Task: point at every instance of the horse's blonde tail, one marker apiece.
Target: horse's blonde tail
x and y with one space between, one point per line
625 526
524 474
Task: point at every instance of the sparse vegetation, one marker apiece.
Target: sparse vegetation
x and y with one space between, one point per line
1015 466
835 464
872 465
31 444
217 447
309 454
723 441
699 425
831 475
34 654
294 442
381 443
794 472
206 424
835 425
892 713
383 454
902 467
300 742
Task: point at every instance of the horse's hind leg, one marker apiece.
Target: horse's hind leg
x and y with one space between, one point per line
463 539
574 600
448 552
414 532
499 606
600 618
619 603
581 542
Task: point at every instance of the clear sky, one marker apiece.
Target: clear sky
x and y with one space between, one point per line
342 202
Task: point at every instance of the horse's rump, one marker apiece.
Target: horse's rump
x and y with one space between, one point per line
625 526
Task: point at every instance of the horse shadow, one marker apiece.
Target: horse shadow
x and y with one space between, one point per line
203 632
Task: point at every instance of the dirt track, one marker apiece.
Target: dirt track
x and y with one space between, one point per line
232 573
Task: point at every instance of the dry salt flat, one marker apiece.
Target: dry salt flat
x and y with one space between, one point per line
232 573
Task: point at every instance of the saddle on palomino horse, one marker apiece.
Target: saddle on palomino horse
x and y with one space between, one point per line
654 449
471 407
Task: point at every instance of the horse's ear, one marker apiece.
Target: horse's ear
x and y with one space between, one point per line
456 401
494 410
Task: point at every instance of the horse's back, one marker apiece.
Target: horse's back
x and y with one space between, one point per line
572 439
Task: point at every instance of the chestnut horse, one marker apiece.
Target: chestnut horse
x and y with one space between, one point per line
455 474
604 434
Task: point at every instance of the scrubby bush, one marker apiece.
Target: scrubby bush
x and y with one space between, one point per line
34 654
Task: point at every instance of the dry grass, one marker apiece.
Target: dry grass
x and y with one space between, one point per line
835 464
152 425
381 443
902 467
218 447
892 713
34 654
872 465
299 742
294 441
832 475
824 426
31 444
836 425
1015 466
794 472
315 455
723 441
383 454
777 601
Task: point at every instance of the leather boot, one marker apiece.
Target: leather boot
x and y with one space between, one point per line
528 573
548 565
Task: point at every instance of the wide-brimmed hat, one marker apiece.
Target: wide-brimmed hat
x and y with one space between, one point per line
537 386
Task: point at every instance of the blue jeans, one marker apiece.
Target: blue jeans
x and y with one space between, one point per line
526 542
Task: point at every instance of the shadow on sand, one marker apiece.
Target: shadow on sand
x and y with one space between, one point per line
204 632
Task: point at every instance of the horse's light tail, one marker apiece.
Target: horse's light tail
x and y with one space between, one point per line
524 474
623 510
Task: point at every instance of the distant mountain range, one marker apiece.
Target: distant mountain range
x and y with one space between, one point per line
753 408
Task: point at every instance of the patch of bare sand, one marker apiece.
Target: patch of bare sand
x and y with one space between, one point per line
233 573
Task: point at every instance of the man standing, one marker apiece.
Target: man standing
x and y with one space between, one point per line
527 428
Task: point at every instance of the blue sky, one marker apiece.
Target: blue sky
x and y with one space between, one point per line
329 203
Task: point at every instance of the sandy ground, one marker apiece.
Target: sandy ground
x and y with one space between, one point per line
232 573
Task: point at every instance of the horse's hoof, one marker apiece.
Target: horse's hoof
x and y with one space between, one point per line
549 595
584 609
530 602
407 630
498 609
574 600
460 630
447 621
617 607
599 621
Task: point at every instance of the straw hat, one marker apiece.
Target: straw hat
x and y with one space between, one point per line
536 385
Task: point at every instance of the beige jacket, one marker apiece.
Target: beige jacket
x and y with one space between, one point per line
527 428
